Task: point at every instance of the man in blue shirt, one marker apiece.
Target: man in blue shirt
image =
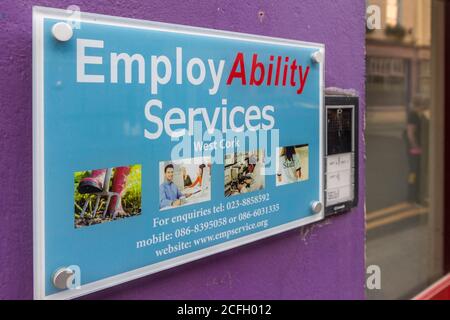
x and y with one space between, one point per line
169 194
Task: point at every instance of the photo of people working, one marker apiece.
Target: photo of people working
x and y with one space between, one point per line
244 172
292 164
184 182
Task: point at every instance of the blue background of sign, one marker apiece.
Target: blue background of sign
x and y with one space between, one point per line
90 125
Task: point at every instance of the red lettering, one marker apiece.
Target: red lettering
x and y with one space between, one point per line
269 74
302 78
277 78
238 63
285 72
260 66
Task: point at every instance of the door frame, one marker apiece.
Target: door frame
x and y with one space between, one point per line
439 152
446 86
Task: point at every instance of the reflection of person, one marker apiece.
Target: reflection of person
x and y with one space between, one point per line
198 180
186 178
94 184
289 169
169 194
413 131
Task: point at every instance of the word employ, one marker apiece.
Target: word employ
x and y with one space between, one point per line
156 78
161 69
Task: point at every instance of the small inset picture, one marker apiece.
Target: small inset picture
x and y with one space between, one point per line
244 172
184 182
103 195
292 164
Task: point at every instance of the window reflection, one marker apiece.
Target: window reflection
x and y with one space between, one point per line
398 100
392 12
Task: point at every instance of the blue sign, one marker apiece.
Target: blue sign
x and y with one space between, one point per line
159 144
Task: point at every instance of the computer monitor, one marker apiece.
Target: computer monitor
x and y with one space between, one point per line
229 159
178 176
234 173
241 157
227 175
206 176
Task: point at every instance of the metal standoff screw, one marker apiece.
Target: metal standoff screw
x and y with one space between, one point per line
316 206
317 57
63 278
62 31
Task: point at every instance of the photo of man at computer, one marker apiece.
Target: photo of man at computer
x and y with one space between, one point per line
244 172
184 182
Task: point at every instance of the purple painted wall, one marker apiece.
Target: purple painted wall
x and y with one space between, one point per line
323 261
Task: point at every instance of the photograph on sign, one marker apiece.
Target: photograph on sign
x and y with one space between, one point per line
159 144
292 164
177 188
103 195
244 172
